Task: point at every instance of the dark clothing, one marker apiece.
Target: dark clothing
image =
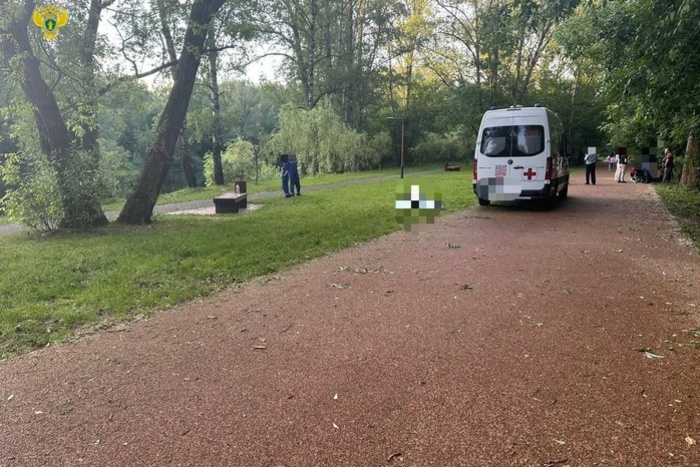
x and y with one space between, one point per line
668 168
590 173
293 171
294 181
285 178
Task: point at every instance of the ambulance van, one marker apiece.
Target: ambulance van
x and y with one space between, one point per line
521 154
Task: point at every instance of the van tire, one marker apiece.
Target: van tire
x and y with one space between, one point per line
484 202
564 193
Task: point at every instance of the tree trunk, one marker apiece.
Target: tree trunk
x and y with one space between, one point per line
81 207
139 205
690 177
215 107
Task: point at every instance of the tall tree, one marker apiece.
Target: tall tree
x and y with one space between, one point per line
216 142
139 205
80 204
166 10
647 50
332 48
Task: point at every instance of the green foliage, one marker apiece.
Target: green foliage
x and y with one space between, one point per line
53 285
323 143
32 196
238 163
647 51
451 147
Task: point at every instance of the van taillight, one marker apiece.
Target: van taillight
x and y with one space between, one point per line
474 169
548 172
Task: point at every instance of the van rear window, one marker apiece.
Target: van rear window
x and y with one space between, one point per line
515 140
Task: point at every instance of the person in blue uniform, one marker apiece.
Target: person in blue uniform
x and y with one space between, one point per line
284 158
294 181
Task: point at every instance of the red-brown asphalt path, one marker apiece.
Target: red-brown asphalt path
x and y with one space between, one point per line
501 336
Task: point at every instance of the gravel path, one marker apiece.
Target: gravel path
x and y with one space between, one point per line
501 336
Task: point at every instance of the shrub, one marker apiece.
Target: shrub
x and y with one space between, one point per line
434 147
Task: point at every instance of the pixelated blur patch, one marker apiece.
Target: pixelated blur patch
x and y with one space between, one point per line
417 205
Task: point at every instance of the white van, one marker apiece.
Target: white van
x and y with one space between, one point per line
520 154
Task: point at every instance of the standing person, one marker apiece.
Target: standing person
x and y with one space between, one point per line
285 175
294 176
668 165
590 160
621 167
611 160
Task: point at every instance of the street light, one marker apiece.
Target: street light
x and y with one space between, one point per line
402 138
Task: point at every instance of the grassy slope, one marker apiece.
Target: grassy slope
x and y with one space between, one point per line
53 285
196 194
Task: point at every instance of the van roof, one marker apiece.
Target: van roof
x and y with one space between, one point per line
503 115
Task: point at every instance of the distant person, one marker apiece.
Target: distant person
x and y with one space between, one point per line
621 167
285 175
611 160
590 161
294 181
668 166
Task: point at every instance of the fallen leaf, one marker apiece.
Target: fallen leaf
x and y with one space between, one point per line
335 398
259 347
689 440
38 412
335 426
211 317
560 441
397 454
652 355
12 396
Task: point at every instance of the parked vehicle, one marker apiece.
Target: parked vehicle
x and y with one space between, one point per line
521 153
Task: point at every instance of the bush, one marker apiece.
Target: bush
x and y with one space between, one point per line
33 197
434 147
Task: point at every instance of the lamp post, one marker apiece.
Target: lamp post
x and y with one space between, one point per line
402 138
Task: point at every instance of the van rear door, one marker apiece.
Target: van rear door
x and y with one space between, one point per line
512 154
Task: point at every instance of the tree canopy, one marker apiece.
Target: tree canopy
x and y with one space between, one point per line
617 72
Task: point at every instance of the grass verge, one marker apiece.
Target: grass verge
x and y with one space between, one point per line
684 205
196 194
53 286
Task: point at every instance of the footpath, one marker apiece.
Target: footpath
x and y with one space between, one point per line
502 336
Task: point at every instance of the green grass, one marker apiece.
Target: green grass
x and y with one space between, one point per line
196 194
684 205
53 286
